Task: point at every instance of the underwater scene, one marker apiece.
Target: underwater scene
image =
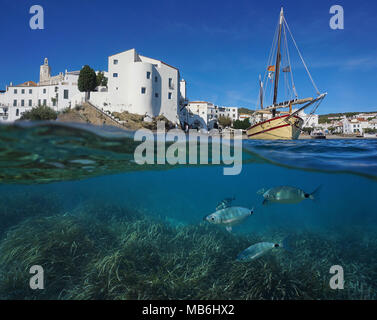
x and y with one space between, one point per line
74 201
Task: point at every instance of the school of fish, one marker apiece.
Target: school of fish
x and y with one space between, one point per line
228 216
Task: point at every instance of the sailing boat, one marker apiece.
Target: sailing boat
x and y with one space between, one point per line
270 123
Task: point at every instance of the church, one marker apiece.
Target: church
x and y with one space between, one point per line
56 92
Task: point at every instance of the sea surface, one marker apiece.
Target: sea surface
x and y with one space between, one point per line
73 201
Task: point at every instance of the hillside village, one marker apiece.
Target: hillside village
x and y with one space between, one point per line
138 90
351 123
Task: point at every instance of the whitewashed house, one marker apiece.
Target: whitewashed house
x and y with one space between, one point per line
197 114
228 112
354 126
310 120
142 85
243 116
203 114
372 124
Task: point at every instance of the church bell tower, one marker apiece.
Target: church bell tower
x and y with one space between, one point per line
45 72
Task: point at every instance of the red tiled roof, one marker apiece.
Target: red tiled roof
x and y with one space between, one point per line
198 102
27 84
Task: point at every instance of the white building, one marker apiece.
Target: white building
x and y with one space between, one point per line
354 126
365 116
53 91
197 114
142 85
243 116
203 114
372 124
228 112
310 120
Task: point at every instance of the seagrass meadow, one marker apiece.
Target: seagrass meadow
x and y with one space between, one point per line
102 227
113 252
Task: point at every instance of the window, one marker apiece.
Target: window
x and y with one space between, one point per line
143 90
30 103
23 91
170 83
56 89
30 91
22 103
65 94
54 102
39 102
155 79
44 90
14 103
169 95
115 75
17 113
44 102
156 94
148 75
15 91
115 61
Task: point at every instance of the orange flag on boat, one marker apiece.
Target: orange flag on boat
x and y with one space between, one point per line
271 68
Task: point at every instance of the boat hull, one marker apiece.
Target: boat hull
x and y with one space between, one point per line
278 128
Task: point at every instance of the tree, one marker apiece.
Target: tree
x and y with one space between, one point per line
308 130
40 113
331 129
225 121
87 81
101 79
241 124
370 130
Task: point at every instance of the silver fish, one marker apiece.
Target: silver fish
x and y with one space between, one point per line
287 194
257 250
229 217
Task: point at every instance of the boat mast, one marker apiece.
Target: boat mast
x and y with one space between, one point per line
261 92
278 58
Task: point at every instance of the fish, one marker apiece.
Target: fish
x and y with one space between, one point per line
229 217
287 194
259 249
225 203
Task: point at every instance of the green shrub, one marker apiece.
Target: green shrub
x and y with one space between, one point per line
370 130
241 124
40 113
225 121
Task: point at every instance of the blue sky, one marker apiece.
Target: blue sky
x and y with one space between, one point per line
220 47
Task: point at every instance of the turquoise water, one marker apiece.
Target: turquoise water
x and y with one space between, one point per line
103 227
